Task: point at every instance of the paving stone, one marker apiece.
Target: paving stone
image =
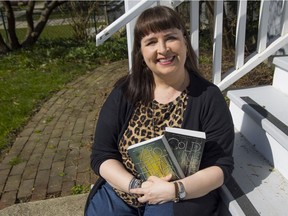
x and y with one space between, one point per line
27 150
18 145
60 155
83 178
18 169
25 189
57 133
34 160
8 198
12 183
45 163
72 157
67 188
54 184
40 147
5 166
70 174
57 168
26 132
30 172
63 145
4 176
41 184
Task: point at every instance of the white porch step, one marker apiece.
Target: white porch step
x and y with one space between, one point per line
256 188
260 114
280 78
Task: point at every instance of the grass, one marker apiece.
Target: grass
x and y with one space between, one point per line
15 161
50 32
30 76
80 189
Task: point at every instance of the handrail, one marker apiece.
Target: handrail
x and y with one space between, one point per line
254 60
263 51
122 21
242 65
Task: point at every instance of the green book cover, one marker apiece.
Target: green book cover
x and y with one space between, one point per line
187 146
154 157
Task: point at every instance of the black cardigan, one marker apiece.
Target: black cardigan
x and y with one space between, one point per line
206 111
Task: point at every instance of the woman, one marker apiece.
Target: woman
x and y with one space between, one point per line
164 89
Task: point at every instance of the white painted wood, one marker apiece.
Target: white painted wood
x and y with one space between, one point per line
171 3
264 135
285 18
217 44
194 26
130 29
230 203
240 34
264 186
254 61
263 26
280 78
123 20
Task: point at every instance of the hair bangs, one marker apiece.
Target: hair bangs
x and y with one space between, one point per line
156 21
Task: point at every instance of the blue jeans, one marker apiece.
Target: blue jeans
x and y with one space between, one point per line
106 203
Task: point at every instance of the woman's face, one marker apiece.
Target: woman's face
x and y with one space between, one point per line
164 52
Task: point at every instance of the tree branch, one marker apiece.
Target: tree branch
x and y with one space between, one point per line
14 43
48 8
29 17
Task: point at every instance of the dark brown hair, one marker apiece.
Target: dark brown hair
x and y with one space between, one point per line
140 82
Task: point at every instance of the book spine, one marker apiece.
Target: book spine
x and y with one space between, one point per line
179 171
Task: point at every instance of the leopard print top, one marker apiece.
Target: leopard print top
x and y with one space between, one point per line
148 122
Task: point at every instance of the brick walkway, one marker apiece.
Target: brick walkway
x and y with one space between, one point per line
53 149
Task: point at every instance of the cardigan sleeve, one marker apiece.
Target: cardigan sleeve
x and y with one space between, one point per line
207 111
217 123
109 125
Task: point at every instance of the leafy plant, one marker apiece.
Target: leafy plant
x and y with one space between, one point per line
14 161
80 189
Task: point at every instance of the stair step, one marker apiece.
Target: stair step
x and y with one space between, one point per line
260 114
256 188
280 77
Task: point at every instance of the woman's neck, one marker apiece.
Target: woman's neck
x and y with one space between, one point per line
168 90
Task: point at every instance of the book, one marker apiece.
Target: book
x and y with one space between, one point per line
154 157
187 146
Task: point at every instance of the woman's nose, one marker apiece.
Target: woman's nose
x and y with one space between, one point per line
162 48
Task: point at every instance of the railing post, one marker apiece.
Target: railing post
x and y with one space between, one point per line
194 26
263 25
240 33
130 29
285 18
217 44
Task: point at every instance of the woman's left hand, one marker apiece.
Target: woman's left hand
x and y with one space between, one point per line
156 190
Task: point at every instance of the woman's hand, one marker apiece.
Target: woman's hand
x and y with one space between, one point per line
156 190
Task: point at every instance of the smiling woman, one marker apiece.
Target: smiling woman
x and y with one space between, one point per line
163 89
165 54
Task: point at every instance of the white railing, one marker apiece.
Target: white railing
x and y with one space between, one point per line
242 65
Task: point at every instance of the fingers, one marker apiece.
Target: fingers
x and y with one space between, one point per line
167 178
139 191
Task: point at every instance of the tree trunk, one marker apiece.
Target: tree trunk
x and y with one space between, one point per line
32 36
3 47
14 43
29 17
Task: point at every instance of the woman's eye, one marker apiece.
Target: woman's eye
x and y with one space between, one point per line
150 43
171 38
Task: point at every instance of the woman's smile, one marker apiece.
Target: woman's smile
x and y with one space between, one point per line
164 52
166 61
